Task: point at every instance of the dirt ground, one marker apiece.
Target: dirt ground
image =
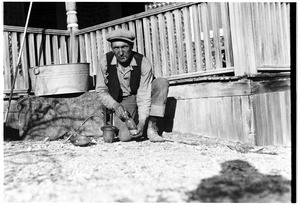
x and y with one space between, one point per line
191 169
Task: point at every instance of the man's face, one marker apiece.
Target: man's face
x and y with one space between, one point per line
122 51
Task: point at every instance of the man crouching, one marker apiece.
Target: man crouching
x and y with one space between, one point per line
125 82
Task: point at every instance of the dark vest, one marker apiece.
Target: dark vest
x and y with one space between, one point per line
113 84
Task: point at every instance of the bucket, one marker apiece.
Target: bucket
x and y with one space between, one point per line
109 133
60 79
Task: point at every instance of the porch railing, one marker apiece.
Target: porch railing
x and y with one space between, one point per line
183 39
41 47
186 40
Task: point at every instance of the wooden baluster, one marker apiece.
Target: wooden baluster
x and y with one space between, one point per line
172 42
155 43
197 38
179 40
163 45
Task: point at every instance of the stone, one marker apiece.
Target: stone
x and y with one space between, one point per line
53 116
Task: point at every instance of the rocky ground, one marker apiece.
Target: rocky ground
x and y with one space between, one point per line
190 169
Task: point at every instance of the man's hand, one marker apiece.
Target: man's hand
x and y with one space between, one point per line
119 111
140 129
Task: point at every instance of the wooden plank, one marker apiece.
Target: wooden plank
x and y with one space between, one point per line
140 37
280 43
93 53
229 116
206 36
263 36
133 30
31 44
216 34
222 112
247 119
20 29
14 41
270 111
197 38
63 50
201 114
274 31
218 89
155 48
284 117
148 48
198 74
6 61
40 49
188 40
226 34
171 40
287 118
236 118
24 63
88 51
48 51
99 44
286 29
124 26
163 45
242 36
213 118
247 32
276 118
196 111
267 118
179 41
236 39
284 52
269 46
82 54
106 43
110 29
256 33
258 120
208 117
73 48
274 85
55 49
218 120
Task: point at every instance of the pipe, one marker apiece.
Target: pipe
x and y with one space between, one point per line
18 62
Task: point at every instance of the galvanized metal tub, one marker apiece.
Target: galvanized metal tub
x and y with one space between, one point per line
60 79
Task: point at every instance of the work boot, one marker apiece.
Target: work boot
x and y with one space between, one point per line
152 131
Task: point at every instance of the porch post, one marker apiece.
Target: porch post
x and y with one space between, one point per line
242 38
72 27
71 16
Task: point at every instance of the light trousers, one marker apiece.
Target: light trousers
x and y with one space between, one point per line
159 94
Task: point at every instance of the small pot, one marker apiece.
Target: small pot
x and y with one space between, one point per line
109 133
80 140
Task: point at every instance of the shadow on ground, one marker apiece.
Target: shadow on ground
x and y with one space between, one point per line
240 182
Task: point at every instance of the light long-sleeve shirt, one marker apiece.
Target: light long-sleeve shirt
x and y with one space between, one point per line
143 96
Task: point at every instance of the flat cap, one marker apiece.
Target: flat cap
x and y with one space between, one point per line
120 34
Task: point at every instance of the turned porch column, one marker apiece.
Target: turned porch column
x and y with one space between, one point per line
72 27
